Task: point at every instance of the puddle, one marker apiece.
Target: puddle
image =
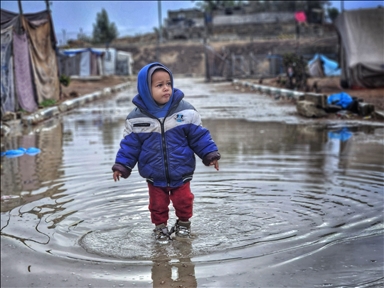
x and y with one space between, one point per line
287 193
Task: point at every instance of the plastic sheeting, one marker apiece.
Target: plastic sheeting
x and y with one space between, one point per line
362 47
341 99
45 69
109 60
320 66
34 60
82 62
124 63
85 64
300 17
343 134
7 86
23 80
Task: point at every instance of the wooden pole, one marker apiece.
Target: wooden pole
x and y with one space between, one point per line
160 20
159 39
20 7
207 70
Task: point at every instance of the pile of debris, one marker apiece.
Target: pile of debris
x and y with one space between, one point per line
317 105
313 105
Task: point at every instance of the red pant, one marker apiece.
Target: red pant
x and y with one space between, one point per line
160 197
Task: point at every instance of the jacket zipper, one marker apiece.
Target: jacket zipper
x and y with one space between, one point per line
165 151
163 138
164 145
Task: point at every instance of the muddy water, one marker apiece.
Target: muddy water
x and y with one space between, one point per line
296 203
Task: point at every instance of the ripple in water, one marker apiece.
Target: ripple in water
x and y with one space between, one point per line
297 196
280 188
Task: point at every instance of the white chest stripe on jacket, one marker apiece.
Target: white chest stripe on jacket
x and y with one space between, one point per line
183 117
150 125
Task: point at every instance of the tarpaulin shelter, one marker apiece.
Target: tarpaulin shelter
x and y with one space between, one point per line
116 62
95 61
29 70
320 66
109 60
81 62
124 61
361 40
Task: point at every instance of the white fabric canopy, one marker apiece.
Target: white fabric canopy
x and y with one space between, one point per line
362 45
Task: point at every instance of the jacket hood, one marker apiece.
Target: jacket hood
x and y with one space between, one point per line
144 89
177 95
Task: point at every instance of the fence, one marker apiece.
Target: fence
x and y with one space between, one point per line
229 65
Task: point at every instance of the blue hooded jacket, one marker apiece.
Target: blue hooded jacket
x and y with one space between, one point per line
163 140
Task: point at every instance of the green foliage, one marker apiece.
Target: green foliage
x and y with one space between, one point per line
65 80
299 67
47 103
289 59
104 31
332 13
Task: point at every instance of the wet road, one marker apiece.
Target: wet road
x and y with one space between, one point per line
296 203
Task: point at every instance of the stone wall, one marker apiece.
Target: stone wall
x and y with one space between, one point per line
188 57
258 18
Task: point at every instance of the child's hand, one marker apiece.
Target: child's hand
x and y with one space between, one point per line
116 176
212 159
120 171
215 163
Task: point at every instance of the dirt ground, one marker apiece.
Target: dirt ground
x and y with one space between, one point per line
79 87
327 85
331 85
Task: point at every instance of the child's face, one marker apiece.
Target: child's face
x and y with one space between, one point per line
161 87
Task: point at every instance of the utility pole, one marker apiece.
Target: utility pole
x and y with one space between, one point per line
47 5
20 25
160 20
159 39
20 8
206 32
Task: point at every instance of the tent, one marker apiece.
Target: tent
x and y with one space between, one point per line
95 61
29 70
361 40
81 62
124 63
320 66
109 60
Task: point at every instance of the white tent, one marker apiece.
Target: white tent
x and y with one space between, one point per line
361 47
81 62
95 61
124 63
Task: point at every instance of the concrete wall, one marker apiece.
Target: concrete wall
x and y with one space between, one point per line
259 18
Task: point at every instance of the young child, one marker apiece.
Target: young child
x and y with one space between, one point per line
163 134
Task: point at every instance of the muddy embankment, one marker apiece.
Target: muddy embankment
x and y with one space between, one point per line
188 57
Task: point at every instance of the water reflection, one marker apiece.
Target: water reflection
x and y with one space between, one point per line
288 191
170 272
22 177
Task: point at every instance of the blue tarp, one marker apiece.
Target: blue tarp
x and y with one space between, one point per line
31 151
330 67
343 134
70 52
340 99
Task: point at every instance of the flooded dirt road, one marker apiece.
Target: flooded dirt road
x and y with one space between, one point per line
296 203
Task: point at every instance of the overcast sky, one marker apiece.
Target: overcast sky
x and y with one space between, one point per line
130 17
